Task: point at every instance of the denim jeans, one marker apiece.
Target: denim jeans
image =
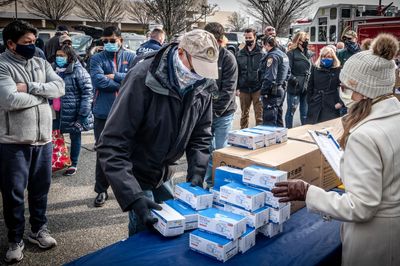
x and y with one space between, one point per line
158 195
220 128
293 102
24 166
75 147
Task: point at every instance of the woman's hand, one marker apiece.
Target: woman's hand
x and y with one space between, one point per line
291 190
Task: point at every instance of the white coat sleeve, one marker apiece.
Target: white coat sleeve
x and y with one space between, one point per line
362 175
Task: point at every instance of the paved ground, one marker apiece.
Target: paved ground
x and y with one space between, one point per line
78 227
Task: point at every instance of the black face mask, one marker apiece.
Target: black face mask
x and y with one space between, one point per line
26 51
305 45
249 43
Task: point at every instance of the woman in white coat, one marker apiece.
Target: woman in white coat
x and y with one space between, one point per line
370 166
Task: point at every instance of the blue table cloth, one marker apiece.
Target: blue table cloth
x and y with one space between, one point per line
306 240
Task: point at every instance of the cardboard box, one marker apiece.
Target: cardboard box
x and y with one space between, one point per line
263 177
247 140
213 245
269 136
223 223
270 230
334 126
279 216
300 159
280 132
225 175
255 219
247 240
242 196
170 222
191 216
197 197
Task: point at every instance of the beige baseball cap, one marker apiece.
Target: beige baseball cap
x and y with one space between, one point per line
350 34
203 48
64 38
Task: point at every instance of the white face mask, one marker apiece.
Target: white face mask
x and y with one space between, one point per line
185 77
346 95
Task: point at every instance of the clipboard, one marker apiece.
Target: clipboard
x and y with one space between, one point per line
329 147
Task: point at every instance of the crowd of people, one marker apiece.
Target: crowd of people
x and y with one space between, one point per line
149 108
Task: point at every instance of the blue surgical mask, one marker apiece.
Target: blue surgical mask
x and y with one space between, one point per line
327 62
61 61
111 47
352 46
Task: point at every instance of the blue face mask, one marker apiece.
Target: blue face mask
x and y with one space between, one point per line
61 61
111 47
327 62
352 46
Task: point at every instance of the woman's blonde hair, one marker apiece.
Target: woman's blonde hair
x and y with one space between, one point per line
298 38
325 51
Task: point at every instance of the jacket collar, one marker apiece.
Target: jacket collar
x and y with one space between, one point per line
245 51
70 67
14 57
382 109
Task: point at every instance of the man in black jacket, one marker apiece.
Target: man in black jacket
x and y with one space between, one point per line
248 60
164 109
223 99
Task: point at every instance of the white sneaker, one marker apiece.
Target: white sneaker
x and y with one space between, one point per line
42 238
14 252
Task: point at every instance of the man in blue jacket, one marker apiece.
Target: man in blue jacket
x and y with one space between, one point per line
107 70
157 38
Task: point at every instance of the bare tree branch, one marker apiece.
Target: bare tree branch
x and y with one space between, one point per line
277 13
6 2
52 10
237 22
177 15
103 11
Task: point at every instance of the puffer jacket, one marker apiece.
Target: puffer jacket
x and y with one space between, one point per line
151 125
76 104
106 90
248 63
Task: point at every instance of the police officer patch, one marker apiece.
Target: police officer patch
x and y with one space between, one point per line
269 62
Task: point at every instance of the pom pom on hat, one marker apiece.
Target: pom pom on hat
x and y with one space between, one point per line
372 73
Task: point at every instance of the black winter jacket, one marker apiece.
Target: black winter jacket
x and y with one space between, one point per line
300 66
224 98
323 94
248 63
151 125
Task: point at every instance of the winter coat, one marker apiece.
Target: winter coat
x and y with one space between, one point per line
76 104
151 125
300 67
224 97
343 55
323 94
26 118
149 46
248 63
370 206
106 90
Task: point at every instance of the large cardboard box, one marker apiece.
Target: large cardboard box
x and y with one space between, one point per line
334 126
301 161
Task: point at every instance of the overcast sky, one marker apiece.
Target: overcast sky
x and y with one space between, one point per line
234 5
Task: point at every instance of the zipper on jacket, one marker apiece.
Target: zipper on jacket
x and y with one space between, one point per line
7 123
38 123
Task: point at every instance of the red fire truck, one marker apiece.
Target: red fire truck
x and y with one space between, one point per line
329 22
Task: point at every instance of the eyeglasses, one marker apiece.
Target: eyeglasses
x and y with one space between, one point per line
109 41
347 39
270 29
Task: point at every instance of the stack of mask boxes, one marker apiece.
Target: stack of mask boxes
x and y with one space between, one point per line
257 137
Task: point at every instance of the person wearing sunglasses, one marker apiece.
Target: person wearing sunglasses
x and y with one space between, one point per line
107 70
164 110
351 47
370 165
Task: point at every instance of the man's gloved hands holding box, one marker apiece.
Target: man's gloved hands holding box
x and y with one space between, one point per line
291 190
142 207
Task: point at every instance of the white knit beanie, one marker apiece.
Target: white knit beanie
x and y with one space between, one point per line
372 73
